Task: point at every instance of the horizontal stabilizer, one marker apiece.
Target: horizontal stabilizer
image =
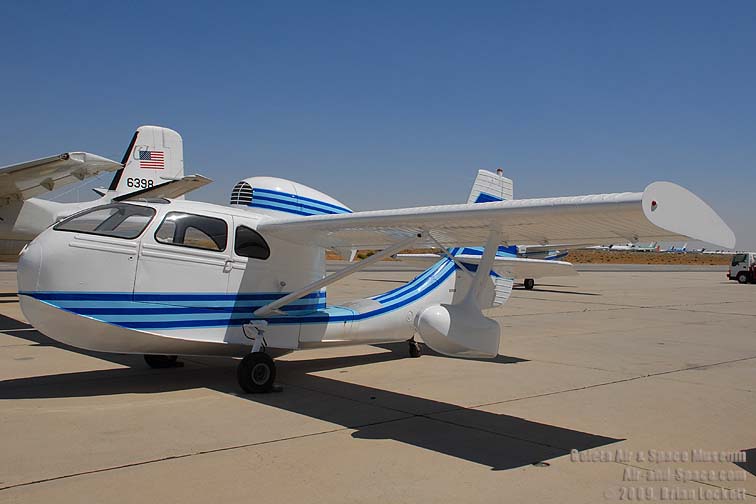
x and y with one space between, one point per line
171 189
508 267
32 178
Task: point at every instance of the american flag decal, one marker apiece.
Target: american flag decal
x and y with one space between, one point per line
153 160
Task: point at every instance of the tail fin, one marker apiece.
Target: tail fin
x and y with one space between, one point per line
154 156
489 186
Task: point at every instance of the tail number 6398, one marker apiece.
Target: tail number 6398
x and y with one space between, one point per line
142 183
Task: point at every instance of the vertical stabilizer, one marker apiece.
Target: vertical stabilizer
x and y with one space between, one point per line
489 186
154 156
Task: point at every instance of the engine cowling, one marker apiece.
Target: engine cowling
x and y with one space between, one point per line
459 330
273 195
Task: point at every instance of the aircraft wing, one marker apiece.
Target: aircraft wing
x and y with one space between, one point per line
170 189
508 267
663 212
32 178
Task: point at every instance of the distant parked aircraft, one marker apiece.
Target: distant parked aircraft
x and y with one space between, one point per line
677 250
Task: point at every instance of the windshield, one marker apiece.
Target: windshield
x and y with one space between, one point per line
118 220
737 259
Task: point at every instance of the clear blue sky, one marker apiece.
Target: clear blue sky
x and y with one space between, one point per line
385 104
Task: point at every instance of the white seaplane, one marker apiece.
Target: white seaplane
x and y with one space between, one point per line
166 278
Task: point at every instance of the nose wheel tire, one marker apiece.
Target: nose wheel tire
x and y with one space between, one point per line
256 373
162 361
529 283
415 350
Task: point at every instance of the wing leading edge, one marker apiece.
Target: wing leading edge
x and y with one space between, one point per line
662 212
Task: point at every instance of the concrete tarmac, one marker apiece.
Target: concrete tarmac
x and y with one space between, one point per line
636 370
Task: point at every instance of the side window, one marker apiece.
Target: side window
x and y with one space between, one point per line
249 243
195 231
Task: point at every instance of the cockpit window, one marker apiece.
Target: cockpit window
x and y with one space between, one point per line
119 220
191 230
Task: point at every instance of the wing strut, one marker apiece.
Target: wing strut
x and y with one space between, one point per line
450 256
348 270
486 263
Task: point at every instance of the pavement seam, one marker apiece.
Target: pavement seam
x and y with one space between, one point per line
595 385
227 448
433 417
169 458
616 308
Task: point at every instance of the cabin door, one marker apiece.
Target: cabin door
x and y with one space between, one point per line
186 262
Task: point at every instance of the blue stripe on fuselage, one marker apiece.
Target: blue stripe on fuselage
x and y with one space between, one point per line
152 315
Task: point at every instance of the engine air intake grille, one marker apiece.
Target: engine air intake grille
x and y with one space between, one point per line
241 194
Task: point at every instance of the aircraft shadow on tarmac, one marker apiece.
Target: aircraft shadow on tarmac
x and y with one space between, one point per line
540 288
494 440
750 463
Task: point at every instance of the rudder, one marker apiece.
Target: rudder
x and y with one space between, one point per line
489 186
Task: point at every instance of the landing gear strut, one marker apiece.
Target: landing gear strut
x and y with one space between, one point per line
256 372
529 283
415 350
162 361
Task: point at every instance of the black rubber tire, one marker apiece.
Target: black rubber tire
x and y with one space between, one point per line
415 350
161 361
529 283
742 278
256 373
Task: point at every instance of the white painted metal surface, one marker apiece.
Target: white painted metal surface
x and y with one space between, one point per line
489 186
599 218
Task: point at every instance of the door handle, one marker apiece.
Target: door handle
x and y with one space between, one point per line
228 266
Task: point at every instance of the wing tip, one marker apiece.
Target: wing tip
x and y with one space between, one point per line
676 209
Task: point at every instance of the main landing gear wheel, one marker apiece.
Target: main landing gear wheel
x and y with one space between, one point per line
415 350
162 361
529 283
256 373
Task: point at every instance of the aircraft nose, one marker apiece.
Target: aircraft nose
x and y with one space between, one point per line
29 265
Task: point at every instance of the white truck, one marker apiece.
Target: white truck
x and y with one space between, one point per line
743 268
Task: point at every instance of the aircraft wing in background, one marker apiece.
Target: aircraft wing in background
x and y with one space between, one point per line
32 178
